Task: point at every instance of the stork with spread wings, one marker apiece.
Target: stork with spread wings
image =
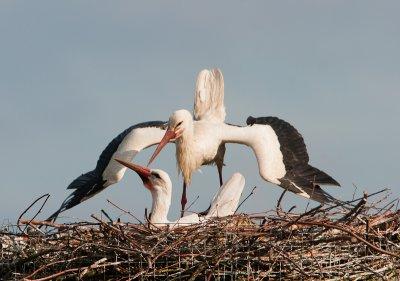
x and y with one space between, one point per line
279 148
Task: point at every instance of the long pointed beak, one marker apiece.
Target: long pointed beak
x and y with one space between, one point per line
169 135
143 172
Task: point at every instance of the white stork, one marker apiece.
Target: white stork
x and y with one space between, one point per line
131 141
279 148
107 172
208 108
159 184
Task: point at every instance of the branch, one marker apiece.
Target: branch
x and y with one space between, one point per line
27 209
247 197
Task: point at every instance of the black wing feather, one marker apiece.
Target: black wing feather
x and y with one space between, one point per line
292 143
299 174
107 153
91 183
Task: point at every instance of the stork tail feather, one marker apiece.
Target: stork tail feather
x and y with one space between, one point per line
85 186
314 175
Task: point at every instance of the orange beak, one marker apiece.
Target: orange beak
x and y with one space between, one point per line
143 172
169 135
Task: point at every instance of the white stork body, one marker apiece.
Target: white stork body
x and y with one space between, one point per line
199 146
208 109
159 184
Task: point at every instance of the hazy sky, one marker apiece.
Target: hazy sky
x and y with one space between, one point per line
74 74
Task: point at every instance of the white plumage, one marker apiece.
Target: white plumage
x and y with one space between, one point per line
107 171
199 142
209 96
159 184
208 104
226 200
279 148
208 109
132 144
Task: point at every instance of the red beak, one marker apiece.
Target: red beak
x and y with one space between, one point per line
169 135
143 172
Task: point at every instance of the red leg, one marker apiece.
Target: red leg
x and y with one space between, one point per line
183 199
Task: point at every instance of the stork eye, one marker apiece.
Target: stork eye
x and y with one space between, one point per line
156 175
180 123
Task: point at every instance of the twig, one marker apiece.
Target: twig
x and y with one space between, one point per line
65 272
30 206
355 211
94 265
247 197
47 265
355 190
117 230
278 205
148 218
296 266
372 246
126 212
55 275
109 218
386 207
46 223
194 201
309 213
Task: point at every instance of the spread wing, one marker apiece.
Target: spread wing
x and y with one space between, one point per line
300 177
282 156
108 171
209 96
291 142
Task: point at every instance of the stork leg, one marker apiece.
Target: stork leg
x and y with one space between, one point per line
183 199
205 212
219 167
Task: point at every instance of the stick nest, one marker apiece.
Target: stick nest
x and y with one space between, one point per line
322 243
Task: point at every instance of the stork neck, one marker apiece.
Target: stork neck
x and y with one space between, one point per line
236 134
187 134
160 207
185 147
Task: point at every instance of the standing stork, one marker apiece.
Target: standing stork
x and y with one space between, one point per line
209 106
208 109
279 148
158 182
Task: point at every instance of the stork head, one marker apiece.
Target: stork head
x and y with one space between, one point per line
155 180
179 122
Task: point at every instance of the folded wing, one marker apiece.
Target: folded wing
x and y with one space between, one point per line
226 201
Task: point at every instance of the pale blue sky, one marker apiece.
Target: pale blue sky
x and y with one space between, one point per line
74 74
